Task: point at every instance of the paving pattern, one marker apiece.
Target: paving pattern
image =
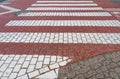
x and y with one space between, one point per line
64 5
106 66
48 39
56 8
65 14
97 38
29 66
64 23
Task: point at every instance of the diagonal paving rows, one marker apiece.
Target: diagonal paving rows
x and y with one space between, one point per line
67 8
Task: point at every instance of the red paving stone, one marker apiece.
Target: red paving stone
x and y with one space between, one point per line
21 4
2 10
79 51
60 29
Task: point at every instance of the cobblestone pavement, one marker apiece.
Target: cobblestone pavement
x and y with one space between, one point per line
105 66
29 66
48 39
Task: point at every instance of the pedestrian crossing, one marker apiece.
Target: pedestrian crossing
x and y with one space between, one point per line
30 14
43 5
36 16
101 23
64 5
65 8
94 38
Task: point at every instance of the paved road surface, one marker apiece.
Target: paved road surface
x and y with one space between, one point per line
39 37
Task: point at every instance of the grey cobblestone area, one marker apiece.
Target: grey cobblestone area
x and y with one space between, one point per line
105 66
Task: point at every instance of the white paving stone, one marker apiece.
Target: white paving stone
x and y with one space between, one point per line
1 74
23 77
53 58
22 72
4 57
45 69
17 68
8 72
95 23
33 74
4 77
20 68
39 65
8 60
25 64
33 61
28 57
65 14
31 68
62 63
3 67
50 75
41 58
1 63
1 56
17 57
13 75
11 56
21 60
53 66
46 60
94 38
56 8
64 5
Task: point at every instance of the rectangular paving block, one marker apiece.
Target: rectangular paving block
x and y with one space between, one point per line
102 23
95 38
65 14
65 8
64 4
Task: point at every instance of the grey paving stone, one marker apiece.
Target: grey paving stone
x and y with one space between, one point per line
107 62
116 59
117 69
90 73
80 76
114 75
100 76
112 65
103 66
106 74
96 66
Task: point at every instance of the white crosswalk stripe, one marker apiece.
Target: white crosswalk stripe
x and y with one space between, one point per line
102 23
47 66
65 14
95 38
64 5
60 8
